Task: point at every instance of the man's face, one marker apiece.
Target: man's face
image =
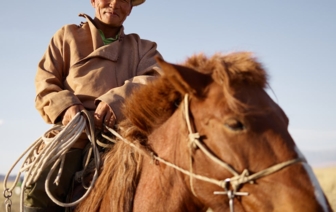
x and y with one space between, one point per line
112 12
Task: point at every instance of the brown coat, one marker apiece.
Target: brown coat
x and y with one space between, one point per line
78 69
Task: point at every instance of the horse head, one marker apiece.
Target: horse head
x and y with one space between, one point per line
244 158
213 138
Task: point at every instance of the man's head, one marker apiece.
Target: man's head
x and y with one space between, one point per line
114 12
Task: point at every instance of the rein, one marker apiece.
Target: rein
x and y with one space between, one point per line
230 185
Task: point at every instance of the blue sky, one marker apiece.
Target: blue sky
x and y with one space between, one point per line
294 39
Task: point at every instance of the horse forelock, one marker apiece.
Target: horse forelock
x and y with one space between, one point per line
228 69
231 71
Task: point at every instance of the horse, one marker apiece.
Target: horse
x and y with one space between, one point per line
205 136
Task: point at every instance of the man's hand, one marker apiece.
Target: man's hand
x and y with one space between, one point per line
70 113
104 115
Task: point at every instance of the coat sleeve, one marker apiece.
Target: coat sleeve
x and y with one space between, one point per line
147 70
51 98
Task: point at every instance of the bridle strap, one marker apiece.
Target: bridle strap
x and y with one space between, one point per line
194 139
238 179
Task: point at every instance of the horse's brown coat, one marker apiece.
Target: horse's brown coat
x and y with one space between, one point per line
238 122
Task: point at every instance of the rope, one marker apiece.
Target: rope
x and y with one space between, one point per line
194 140
53 152
153 156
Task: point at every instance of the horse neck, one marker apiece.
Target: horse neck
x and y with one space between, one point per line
162 188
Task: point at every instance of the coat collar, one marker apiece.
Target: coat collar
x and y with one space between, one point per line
110 51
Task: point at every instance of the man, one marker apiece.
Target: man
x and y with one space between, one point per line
92 66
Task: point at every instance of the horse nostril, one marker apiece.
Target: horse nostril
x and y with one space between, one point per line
234 124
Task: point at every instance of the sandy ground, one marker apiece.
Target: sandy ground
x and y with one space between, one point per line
326 177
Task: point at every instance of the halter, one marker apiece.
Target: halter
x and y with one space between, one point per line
230 185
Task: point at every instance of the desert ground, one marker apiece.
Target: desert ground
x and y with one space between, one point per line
326 177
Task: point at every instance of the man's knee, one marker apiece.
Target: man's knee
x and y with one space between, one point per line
35 196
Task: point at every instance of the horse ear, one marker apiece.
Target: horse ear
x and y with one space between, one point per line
184 79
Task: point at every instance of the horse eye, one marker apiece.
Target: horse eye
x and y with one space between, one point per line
234 124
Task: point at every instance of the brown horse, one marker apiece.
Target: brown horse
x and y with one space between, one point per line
225 145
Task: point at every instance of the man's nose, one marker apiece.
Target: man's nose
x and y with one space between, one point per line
114 3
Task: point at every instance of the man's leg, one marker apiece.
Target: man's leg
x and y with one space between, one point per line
36 198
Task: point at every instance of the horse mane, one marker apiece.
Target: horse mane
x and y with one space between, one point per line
149 107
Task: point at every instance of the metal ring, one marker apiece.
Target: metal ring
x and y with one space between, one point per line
227 183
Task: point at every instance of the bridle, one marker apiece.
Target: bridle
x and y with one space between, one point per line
230 185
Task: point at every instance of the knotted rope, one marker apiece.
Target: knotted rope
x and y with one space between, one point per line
53 152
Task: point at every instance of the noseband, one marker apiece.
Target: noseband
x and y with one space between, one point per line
230 185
